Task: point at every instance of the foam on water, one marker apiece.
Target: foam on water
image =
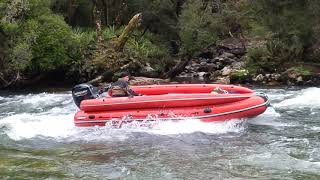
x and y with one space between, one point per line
269 118
43 98
315 128
281 160
305 98
157 127
52 117
278 95
190 125
25 126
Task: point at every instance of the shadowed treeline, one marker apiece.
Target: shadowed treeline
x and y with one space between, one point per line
78 40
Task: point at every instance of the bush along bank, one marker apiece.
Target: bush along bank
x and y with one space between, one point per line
228 62
216 41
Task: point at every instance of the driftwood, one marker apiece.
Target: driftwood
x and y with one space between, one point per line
108 76
133 23
6 83
96 80
19 81
31 81
178 68
110 55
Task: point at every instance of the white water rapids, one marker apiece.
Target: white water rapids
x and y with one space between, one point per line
282 142
51 115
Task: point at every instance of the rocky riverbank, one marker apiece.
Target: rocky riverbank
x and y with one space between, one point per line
226 63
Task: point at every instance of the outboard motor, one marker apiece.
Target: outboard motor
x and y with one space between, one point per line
82 92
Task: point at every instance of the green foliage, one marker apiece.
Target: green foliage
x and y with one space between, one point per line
287 19
290 28
300 70
239 75
273 55
258 60
10 28
80 10
19 10
44 44
84 37
11 13
112 32
39 7
21 56
198 28
160 13
52 48
37 39
292 25
14 10
41 41
144 48
233 18
160 17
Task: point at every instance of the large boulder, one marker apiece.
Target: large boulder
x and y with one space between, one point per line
232 45
259 78
222 80
226 71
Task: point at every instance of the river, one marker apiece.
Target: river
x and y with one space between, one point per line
39 141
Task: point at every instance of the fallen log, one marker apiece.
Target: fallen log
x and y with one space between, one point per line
178 68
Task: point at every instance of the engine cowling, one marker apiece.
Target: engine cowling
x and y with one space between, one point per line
82 92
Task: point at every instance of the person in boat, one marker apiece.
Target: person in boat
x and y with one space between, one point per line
121 87
218 90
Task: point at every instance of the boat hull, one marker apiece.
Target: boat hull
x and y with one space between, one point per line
244 107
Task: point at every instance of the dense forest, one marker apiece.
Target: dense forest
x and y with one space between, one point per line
79 40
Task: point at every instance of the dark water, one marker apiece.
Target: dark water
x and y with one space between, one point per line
39 141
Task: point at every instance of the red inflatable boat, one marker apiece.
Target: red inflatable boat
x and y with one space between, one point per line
168 102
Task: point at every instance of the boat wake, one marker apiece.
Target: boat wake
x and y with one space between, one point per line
61 127
26 126
305 98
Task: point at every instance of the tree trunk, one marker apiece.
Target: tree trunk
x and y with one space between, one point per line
98 25
106 11
120 13
121 41
71 11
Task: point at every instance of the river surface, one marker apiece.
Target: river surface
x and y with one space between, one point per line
38 140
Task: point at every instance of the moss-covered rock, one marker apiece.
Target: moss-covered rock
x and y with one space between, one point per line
240 76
